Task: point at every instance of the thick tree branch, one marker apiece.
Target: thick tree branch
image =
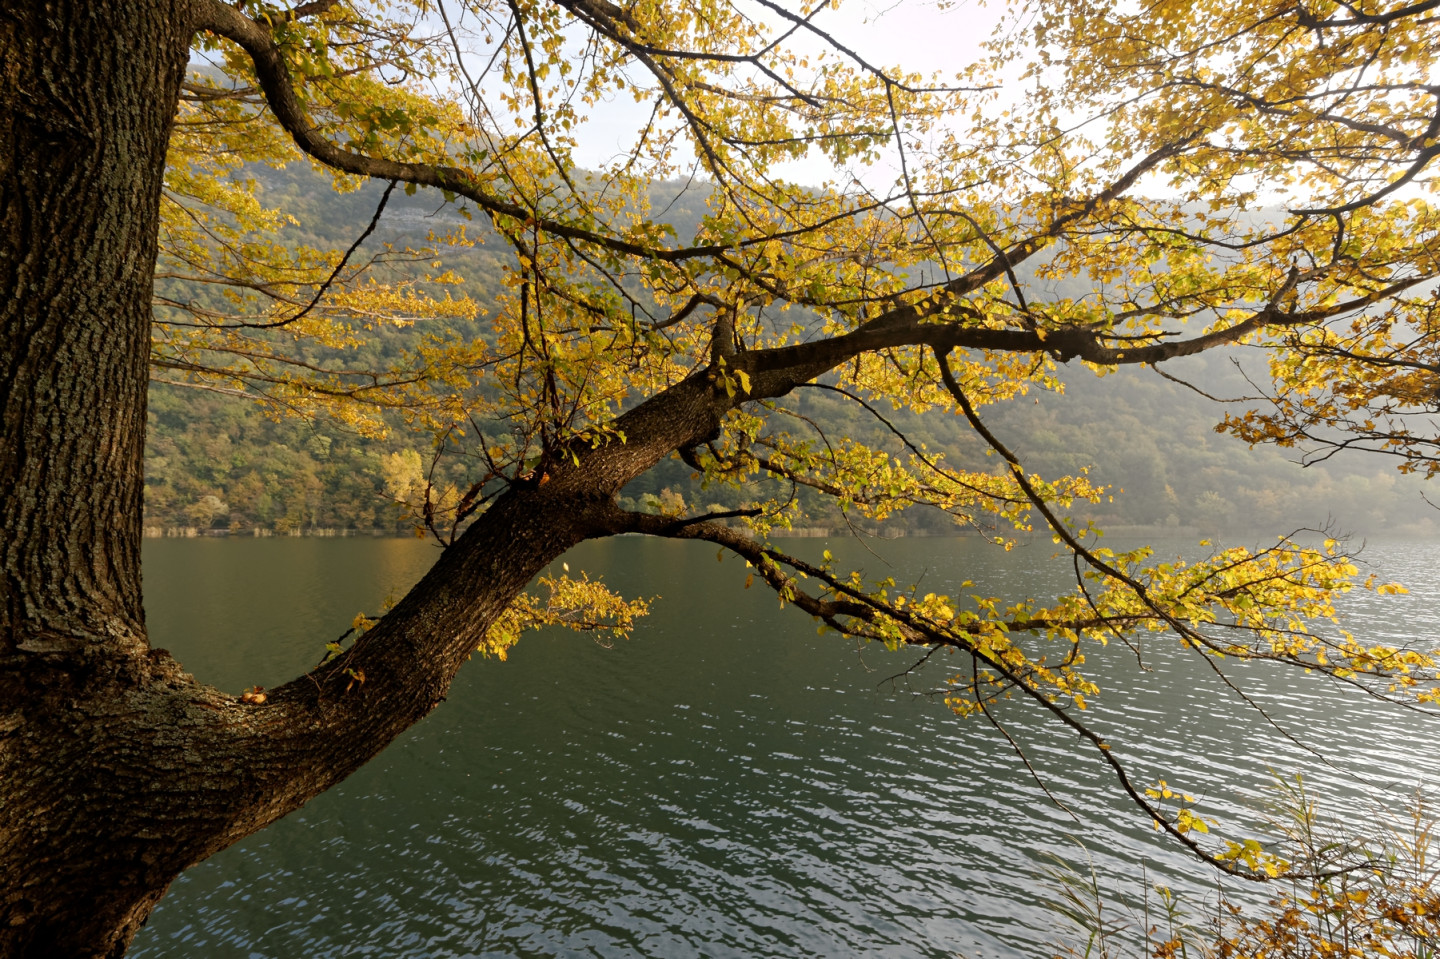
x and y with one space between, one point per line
275 81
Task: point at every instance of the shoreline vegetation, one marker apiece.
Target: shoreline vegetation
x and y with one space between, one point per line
798 532
256 532
229 465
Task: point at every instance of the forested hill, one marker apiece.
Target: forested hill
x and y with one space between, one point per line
219 462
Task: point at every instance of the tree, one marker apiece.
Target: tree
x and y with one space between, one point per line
1140 159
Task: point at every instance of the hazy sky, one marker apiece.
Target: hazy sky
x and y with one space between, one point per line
912 33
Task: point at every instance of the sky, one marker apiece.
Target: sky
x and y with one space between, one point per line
913 33
921 35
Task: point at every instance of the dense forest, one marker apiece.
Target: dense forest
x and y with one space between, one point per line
224 463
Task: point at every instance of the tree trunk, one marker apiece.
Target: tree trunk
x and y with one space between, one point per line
88 95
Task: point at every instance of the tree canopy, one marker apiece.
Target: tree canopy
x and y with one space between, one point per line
1189 176
1105 186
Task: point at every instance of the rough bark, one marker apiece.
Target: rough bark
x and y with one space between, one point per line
88 95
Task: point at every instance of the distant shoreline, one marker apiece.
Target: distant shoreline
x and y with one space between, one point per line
1120 532
799 532
195 532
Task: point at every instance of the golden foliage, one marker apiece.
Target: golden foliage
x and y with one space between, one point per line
1109 184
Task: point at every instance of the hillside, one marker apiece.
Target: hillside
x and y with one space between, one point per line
218 461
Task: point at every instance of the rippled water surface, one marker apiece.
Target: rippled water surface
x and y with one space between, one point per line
726 783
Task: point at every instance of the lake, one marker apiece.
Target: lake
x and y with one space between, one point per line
726 782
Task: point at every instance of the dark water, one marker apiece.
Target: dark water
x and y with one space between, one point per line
725 783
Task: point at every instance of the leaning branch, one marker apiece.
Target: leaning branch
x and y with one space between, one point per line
275 81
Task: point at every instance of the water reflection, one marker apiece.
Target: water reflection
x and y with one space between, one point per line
726 783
